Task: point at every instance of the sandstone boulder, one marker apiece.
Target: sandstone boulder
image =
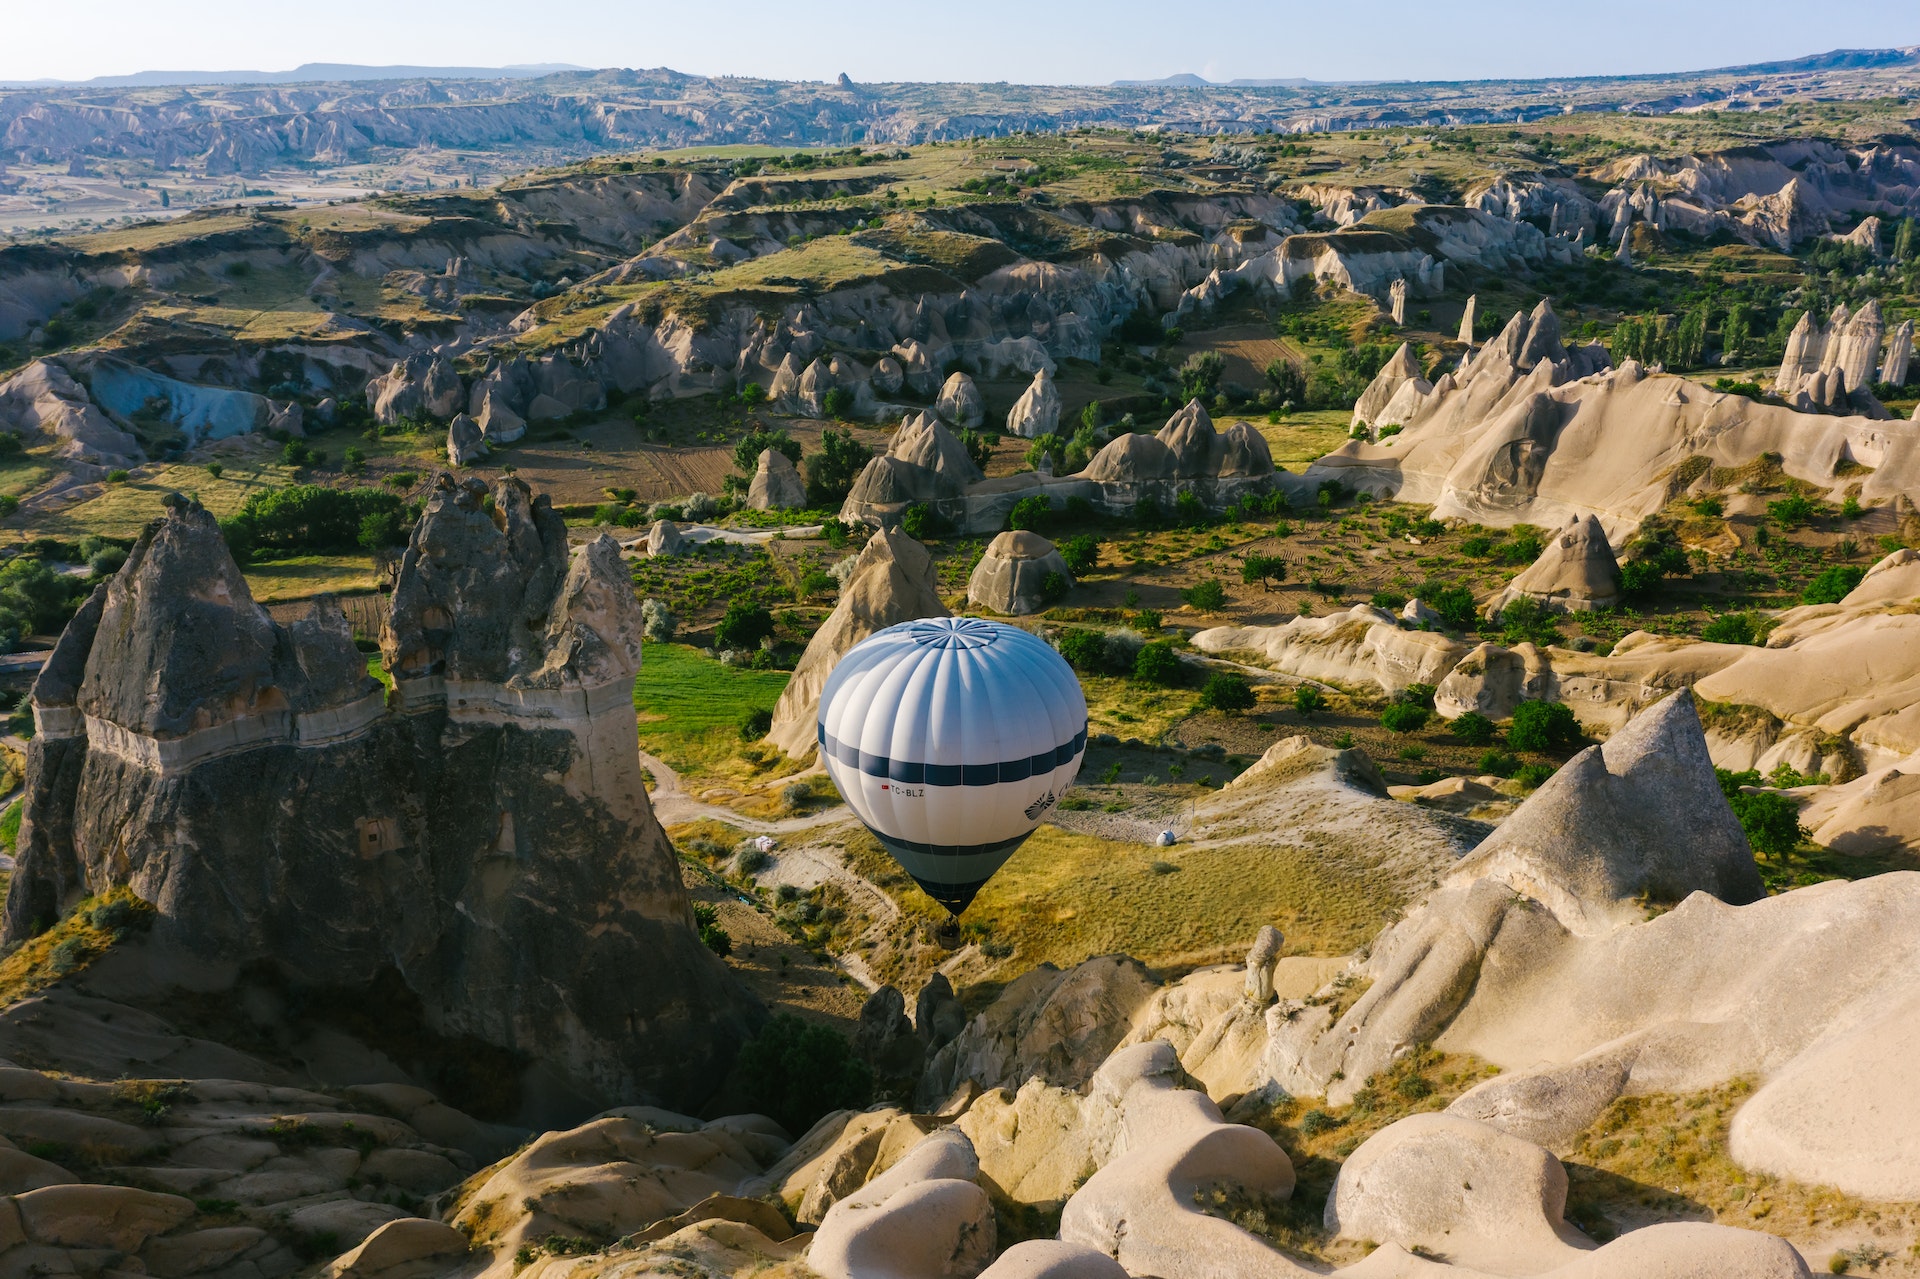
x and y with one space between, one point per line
81 1216
1576 573
407 1248
1037 411
960 403
776 484
924 1218
663 538
1640 818
888 377
465 442
892 581
1052 1259
1020 573
421 385
546 408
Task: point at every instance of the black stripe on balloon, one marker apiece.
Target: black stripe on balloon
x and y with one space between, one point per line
918 774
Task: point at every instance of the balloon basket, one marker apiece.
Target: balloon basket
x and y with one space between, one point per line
947 935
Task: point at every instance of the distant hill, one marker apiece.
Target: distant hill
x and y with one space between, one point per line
308 73
1188 80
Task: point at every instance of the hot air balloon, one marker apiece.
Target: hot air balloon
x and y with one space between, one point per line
952 738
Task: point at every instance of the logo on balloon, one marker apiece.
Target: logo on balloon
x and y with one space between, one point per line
1039 806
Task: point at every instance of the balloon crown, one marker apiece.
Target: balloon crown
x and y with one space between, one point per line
953 632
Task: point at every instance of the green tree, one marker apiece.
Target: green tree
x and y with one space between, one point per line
1264 569
919 522
743 626
837 403
1308 701
1288 382
1031 514
1543 726
1472 728
832 471
1904 246
795 1071
1205 595
746 454
1404 717
1226 692
1833 584
1157 663
1082 553
1200 375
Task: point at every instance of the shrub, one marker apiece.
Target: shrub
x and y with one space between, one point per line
753 393
706 918
1531 776
743 627
837 403
1031 514
1317 1121
215 469
1771 821
118 477
1157 663
1543 726
1404 717
919 522
756 725
1734 628
1527 620
1308 701
832 471
353 461
1082 554
656 621
1053 587
1454 604
1226 692
701 506
1793 510
1499 763
1833 584
1264 569
1205 595
1189 510
1472 728
795 1071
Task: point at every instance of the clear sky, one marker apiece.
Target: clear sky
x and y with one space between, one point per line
1025 41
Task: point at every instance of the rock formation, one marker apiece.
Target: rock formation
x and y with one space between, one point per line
1576 573
1037 411
422 385
776 484
1847 344
465 442
960 403
1599 833
486 840
1893 369
1012 577
892 582
1468 315
1397 302
663 538
44 397
1397 371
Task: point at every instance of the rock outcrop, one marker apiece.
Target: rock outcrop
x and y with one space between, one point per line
892 582
465 442
44 397
1015 573
1037 411
422 385
1576 573
1639 819
483 844
663 538
776 484
959 402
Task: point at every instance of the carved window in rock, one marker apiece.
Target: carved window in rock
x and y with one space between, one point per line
377 835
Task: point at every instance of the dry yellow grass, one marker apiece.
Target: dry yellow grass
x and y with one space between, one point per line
1065 897
303 576
1302 437
71 943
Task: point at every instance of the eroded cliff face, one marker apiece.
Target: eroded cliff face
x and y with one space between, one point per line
483 831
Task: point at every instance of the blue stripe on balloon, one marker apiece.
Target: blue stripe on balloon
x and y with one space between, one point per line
917 774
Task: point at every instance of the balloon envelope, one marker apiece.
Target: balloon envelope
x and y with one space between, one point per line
952 738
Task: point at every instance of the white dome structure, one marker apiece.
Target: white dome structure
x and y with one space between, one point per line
952 738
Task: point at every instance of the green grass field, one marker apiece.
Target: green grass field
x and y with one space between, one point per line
691 706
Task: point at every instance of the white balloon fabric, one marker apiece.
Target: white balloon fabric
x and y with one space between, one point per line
951 738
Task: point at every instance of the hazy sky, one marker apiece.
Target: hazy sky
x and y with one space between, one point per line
1031 41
